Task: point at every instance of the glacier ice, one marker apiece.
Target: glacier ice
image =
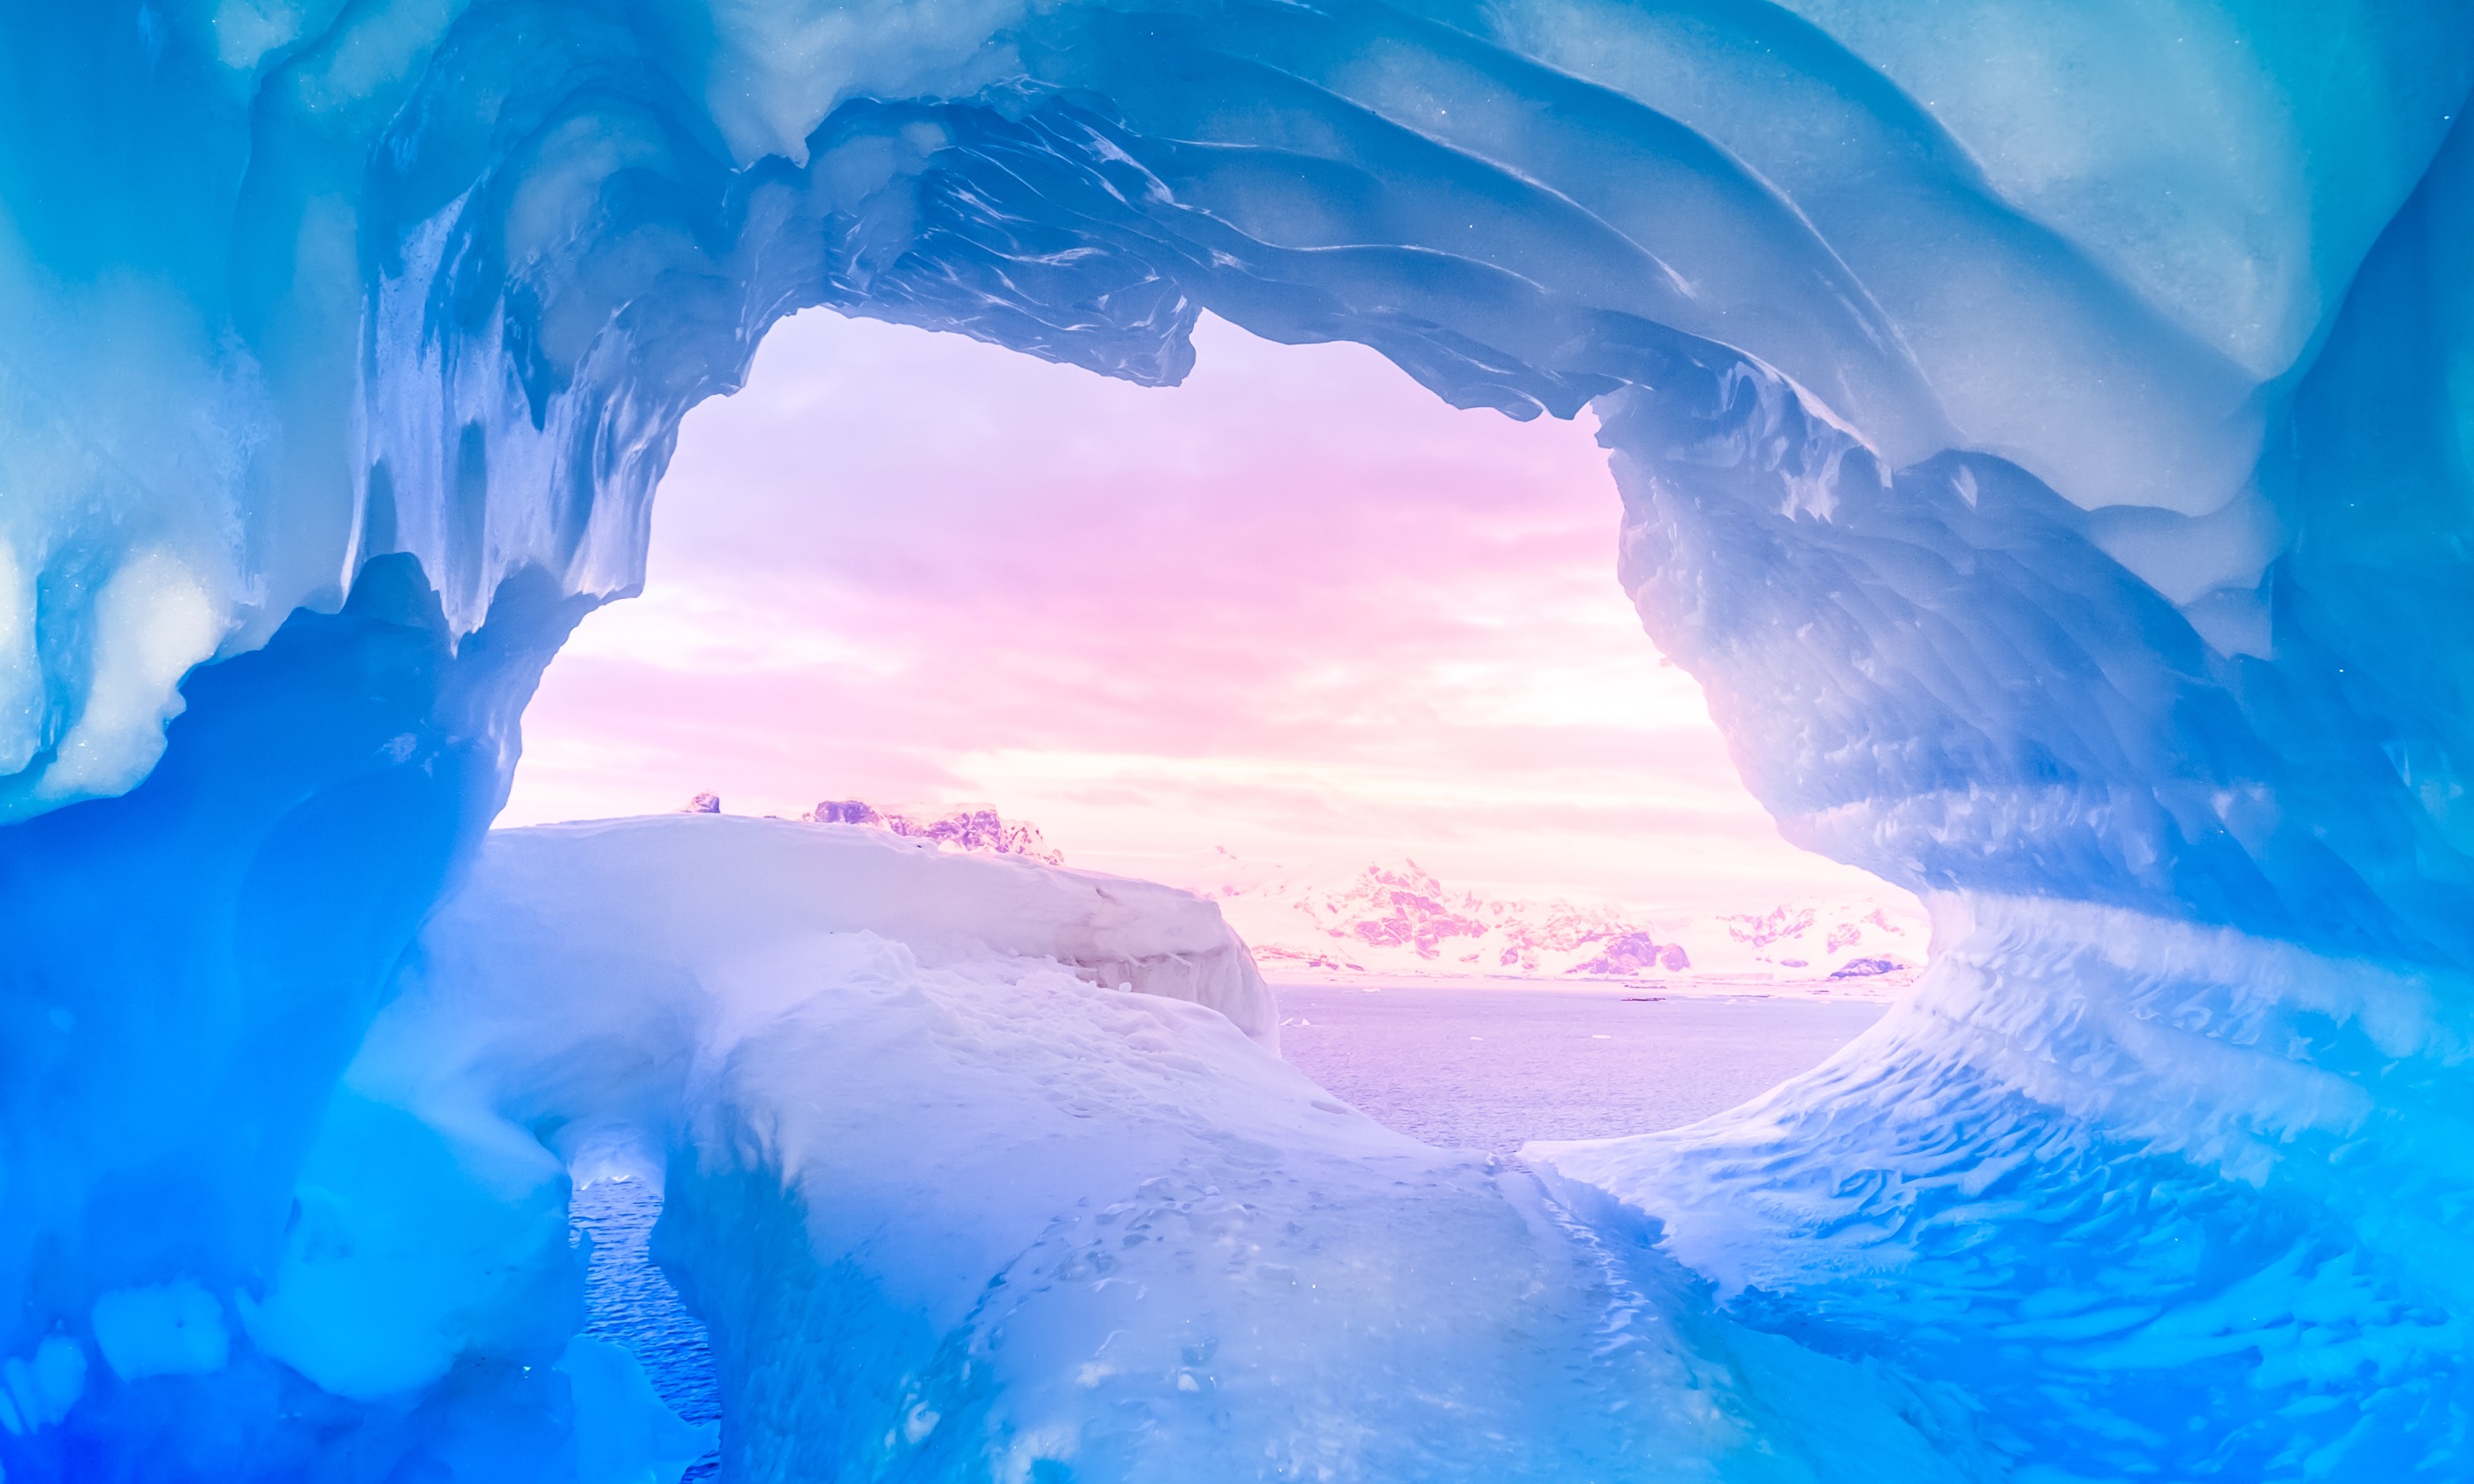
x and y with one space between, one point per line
2043 429
955 1204
2174 1202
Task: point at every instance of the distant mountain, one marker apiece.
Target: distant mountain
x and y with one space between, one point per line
971 827
1396 918
1399 918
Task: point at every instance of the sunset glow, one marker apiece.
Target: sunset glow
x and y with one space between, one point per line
1297 609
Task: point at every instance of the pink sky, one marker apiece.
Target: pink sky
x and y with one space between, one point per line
1297 608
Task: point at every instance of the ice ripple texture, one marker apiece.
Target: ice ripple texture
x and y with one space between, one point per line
2044 430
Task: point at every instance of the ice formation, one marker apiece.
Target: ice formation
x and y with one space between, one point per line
956 1205
2044 429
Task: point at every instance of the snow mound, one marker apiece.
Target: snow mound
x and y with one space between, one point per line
689 879
954 1213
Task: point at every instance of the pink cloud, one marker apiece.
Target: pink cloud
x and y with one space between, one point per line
1296 606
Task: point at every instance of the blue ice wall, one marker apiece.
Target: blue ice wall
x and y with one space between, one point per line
2043 429
190 966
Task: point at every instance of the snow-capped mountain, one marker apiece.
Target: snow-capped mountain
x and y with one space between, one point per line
1394 918
1841 940
976 828
1398 917
969 827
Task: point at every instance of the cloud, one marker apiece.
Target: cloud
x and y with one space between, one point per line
1296 606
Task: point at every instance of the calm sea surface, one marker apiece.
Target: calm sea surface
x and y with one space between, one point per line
1492 1068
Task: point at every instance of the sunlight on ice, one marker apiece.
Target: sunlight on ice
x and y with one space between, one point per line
2041 431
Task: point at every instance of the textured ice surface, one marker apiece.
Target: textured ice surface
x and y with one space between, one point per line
452 1246
440 279
1406 1057
954 1212
2044 429
2168 1200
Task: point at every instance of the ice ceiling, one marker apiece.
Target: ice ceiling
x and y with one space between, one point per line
2044 429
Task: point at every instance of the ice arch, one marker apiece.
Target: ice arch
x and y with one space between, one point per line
2043 432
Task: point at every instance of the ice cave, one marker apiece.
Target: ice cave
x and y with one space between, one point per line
2046 430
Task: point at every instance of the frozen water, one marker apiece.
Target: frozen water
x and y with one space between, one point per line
2043 429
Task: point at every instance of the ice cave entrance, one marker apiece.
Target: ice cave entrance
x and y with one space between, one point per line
1293 633
2045 436
1291 619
